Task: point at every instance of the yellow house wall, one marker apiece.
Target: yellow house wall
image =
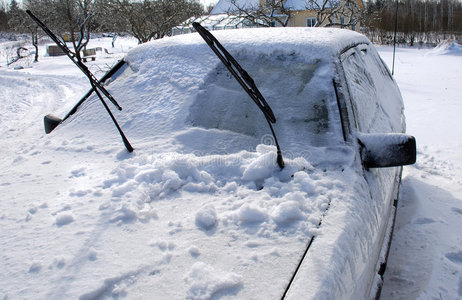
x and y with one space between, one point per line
298 19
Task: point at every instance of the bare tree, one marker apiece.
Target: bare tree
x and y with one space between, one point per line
41 10
209 8
74 18
338 13
419 21
273 13
154 19
111 19
14 16
3 17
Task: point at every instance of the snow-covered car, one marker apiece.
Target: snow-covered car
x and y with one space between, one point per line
201 209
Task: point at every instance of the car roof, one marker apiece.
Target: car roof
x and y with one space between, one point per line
315 43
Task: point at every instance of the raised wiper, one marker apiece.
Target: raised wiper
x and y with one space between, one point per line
244 80
95 83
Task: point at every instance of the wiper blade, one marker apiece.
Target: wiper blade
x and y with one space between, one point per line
244 79
94 81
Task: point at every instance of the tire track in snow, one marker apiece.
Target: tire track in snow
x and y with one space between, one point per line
24 100
427 227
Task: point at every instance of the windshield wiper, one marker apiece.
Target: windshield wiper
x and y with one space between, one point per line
244 80
95 83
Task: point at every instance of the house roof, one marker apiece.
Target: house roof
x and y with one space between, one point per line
296 4
223 6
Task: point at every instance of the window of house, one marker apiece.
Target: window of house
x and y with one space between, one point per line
310 22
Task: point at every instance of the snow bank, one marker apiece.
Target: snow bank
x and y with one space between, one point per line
427 233
447 47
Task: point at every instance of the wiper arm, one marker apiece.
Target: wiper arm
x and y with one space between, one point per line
244 79
95 83
93 80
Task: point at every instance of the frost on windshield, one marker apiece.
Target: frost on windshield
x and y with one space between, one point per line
299 93
377 100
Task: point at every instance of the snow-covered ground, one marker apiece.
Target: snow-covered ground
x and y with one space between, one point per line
426 252
52 235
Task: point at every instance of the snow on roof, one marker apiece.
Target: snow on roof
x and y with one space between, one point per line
296 4
310 42
223 6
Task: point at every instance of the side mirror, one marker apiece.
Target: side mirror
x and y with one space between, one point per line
381 150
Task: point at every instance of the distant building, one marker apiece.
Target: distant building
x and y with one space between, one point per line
230 14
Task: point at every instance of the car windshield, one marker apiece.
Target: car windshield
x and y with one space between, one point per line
298 93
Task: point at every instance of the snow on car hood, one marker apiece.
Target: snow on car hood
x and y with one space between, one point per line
236 225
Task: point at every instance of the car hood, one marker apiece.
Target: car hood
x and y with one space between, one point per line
233 225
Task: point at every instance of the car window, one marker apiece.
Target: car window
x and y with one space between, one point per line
377 102
300 94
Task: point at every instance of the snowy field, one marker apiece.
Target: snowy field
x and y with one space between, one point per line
51 234
426 252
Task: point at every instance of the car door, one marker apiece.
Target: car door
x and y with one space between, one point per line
377 107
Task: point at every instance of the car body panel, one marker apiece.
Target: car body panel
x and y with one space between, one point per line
215 174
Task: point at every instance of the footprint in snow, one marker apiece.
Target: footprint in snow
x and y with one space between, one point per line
35 267
457 210
455 257
460 287
64 219
78 172
422 221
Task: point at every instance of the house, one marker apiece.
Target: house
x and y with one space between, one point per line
296 13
